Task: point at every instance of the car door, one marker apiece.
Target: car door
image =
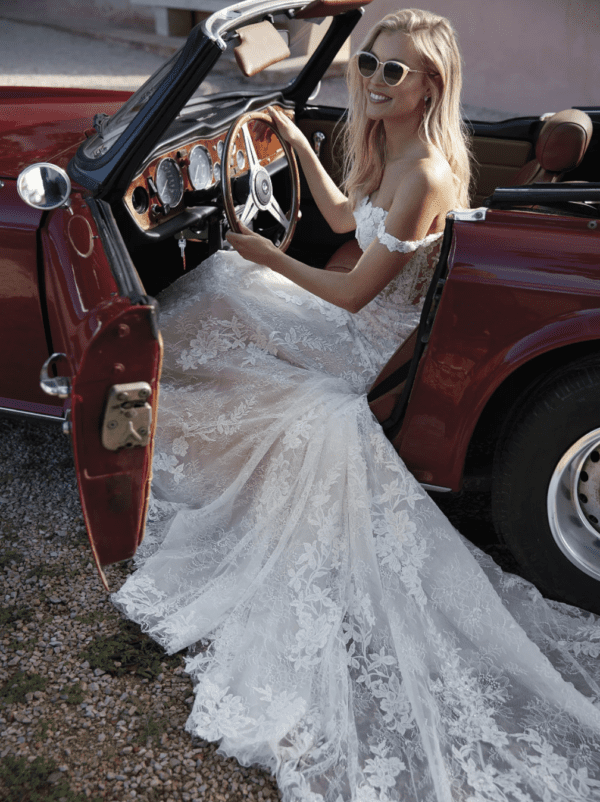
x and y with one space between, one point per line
106 360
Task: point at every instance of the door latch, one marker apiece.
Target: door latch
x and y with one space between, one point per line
58 386
128 416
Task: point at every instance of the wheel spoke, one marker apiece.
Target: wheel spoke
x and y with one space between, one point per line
277 212
249 212
250 152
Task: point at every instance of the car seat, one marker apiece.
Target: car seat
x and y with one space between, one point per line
560 147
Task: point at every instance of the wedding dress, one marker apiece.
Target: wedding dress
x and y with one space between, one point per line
341 633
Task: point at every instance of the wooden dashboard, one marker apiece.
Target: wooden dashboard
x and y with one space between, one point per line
142 198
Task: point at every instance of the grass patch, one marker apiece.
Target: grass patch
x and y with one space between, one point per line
151 728
42 730
73 694
10 556
93 617
44 570
10 615
38 781
15 689
128 651
9 531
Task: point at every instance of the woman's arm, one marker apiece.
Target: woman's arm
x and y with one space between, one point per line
375 269
333 204
417 203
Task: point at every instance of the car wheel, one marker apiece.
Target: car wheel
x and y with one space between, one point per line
546 487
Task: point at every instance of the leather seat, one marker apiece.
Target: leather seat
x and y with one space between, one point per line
560 147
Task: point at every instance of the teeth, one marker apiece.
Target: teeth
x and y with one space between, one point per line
375 97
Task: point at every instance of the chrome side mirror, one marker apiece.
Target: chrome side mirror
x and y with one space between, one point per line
44 186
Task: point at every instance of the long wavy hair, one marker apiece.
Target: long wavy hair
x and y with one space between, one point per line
364 139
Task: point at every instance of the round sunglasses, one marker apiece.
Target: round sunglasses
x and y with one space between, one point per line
394 72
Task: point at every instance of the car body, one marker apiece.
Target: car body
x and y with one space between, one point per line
511 322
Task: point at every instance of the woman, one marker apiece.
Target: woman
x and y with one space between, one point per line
341 632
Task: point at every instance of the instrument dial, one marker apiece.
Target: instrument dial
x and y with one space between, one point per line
200 168
169 182
217 172
220 147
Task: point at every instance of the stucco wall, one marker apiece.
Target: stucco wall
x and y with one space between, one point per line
520 56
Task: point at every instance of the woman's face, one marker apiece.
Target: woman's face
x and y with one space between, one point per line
406 99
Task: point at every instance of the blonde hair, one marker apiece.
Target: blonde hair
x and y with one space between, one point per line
434 40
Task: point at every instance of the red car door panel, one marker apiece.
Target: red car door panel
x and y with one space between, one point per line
21 319
112 354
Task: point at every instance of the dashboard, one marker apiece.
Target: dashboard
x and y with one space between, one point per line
166 186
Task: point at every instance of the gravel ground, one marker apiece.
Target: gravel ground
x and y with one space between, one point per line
90 708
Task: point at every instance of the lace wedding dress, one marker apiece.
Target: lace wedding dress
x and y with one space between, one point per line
341 632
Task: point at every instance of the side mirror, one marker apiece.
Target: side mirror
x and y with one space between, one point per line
44 186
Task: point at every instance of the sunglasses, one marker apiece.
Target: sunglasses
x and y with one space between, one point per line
394 72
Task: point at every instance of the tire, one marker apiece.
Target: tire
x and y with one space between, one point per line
546 487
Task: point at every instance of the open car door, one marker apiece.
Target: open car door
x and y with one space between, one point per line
106 356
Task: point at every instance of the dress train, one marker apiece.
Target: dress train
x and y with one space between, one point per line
340 631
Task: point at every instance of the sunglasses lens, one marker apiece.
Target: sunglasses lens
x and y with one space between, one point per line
393 72
367 64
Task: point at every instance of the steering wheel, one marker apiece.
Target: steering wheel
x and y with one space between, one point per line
260 197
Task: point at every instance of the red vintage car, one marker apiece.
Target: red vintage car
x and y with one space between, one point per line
106 198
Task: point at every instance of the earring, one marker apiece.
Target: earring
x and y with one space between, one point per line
427 98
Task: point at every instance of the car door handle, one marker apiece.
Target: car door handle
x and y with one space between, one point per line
318 140
58 386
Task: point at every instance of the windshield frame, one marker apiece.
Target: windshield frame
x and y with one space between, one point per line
113 170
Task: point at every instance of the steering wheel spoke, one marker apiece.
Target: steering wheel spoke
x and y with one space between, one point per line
250 151
275 209
249 211
261 195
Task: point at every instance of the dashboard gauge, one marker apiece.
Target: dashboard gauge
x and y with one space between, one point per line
169 182
217 171
220 148
200 168
240 159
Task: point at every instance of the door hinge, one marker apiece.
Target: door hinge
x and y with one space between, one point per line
128 416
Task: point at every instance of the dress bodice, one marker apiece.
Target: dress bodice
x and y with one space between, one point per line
391 316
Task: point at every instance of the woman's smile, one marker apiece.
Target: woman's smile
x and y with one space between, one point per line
375 97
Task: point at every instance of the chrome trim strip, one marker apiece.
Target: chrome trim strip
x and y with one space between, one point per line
235 16
8 412
469 215
436 488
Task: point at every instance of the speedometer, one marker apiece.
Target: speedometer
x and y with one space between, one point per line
200 168
169 182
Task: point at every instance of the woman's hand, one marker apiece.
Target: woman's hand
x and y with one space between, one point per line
252 246
286 129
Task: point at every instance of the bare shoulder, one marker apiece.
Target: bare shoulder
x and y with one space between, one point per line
428 174
422 196
428 180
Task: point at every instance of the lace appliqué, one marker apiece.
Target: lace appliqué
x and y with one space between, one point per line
341 632
403 246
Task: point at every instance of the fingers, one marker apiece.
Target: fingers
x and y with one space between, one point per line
234 236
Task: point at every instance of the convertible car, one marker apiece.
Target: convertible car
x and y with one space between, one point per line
106 198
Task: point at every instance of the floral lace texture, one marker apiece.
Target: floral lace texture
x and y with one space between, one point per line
340 631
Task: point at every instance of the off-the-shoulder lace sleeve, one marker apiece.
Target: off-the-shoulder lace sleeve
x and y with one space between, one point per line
403 246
